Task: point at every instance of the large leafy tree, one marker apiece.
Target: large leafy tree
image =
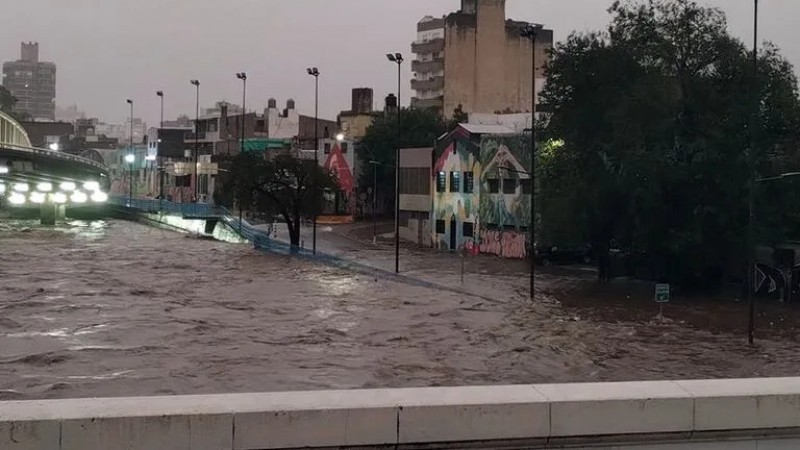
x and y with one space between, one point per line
655 117
418 128
282 186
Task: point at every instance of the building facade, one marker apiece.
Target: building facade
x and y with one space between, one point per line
415 194
482 191
32 82
476 60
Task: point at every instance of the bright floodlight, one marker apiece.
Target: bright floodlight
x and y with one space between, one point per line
54 146
2 188
91 186
340 137
150 158
3 169
68 186
59 197
17 199
99 197
21 187
44 187
37 197
79 197
130 158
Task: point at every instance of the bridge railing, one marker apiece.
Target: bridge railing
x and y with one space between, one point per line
56 155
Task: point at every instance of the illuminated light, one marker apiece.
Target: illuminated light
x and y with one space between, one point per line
130 158
21 187
37 197
2 188
59 197
150 158
54 146
68 186
17 199
79 197
91 186
340 137
4 170
44 187
99 197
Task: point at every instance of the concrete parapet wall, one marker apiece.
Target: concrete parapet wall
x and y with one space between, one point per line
730 414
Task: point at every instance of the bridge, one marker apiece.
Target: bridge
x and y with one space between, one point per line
49 180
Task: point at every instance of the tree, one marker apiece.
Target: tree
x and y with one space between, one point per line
7 101
418 128
655 117
282 186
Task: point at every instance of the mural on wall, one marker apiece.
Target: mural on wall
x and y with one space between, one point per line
505 210
345 200
458 207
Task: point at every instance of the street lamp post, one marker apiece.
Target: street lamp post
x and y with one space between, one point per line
196 84
531 32
314 72
243 76
751 195
397 58
160 158
130 157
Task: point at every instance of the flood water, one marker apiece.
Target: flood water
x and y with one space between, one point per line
96 309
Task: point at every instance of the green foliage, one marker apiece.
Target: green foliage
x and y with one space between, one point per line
418 128
282 186
655 117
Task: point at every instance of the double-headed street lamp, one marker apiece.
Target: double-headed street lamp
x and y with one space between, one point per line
196 84
397 58
314 72
243 76
531 32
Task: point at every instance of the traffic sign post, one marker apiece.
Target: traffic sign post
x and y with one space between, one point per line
662 298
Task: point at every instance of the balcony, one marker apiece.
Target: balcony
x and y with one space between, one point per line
432 46
436 65
432 84
428 103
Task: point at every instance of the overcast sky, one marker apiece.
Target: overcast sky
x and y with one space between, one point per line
110 50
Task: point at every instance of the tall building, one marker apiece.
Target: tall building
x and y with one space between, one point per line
32 82
476 60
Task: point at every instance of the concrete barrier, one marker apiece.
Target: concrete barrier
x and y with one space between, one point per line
731 414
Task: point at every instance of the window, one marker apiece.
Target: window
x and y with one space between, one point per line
494 185
455 181
344 147
327 148
468 229
509 186
441 182
469 182
526 186
440 227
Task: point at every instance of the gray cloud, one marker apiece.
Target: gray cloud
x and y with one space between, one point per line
110 50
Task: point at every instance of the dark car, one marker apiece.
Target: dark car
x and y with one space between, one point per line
564 255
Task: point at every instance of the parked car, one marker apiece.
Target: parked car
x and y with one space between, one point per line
564 255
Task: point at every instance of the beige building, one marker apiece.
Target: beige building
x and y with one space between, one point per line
476 59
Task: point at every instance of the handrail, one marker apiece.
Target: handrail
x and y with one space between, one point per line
56 155
17 127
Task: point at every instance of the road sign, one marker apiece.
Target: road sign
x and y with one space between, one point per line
662 293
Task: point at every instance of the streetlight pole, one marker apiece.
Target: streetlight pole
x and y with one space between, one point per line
398 59
196 84
159 156
129 157
243 76
531 32
751 195
314 72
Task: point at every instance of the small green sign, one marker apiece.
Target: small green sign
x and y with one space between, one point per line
662 293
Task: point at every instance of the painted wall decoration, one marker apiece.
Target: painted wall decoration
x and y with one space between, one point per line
506 244
345 200
455 208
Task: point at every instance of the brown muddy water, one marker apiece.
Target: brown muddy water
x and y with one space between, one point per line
96 309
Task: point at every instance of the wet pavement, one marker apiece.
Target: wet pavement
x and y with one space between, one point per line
96 309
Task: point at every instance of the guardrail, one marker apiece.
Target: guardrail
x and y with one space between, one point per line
56 155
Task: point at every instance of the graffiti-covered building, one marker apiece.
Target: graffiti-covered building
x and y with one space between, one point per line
482 189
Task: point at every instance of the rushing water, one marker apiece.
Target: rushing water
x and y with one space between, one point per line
116 308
